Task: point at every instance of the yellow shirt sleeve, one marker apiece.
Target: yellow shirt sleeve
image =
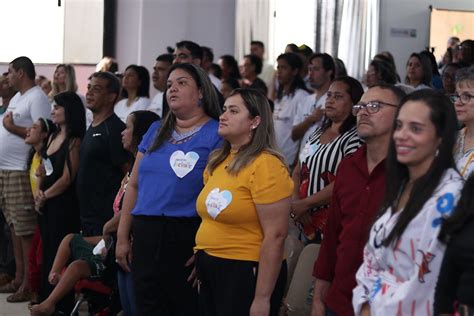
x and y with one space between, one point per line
270 180
205 176
35 163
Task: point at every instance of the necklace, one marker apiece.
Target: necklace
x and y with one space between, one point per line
461 151
468 162
177 136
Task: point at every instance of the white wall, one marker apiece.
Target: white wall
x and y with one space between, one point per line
292 24
146 27
411 14
83 27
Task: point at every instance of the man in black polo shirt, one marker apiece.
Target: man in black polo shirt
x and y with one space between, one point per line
103 161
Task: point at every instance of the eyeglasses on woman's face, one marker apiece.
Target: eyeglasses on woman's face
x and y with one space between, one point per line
464 98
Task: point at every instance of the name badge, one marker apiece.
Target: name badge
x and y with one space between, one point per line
48 166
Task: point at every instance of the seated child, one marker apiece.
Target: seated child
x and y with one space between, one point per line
84 264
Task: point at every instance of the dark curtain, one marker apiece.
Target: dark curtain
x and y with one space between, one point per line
328 26
110 27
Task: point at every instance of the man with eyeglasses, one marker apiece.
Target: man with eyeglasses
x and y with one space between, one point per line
356 198
192 53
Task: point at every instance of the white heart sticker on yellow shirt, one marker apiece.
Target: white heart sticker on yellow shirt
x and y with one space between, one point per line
217 201
182 164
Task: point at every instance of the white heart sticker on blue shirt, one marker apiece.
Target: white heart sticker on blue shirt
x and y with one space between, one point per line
182 164
217 201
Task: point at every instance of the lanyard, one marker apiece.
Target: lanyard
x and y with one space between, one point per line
468 162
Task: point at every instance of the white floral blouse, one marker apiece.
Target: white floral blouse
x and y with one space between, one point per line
400 279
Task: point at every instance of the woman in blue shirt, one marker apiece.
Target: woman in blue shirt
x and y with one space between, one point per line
159 209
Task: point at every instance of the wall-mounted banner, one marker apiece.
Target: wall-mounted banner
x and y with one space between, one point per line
402 32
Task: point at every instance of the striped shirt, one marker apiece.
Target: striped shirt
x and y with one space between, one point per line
325 158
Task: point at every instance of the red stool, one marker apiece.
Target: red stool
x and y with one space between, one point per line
97 295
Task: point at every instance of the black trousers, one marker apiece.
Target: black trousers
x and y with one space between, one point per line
161 247
7 260
55 224
227 287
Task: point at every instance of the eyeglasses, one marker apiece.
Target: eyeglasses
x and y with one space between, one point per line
371 107
464 98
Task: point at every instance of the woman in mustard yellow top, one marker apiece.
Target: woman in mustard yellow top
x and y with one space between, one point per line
244 207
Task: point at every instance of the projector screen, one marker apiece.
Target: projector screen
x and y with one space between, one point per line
51 34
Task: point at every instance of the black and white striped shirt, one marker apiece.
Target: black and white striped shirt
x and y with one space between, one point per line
325 158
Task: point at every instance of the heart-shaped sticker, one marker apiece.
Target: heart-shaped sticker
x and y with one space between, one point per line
182 164
308 150
217 201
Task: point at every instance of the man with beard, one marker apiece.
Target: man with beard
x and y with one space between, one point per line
356 199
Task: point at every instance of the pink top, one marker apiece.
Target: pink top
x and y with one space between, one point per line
118 198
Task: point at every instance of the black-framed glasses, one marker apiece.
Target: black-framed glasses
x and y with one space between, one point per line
371 107
464 98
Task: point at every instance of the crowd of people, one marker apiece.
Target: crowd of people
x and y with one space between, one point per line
183 202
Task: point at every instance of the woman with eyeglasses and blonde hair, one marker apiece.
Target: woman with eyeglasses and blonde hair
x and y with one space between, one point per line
244 208
464 105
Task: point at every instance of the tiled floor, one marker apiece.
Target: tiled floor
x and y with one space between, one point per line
12 309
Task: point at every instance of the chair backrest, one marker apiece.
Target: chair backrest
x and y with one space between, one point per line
298 298
293 248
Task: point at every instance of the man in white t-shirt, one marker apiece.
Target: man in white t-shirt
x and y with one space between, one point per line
16 199
309 114
160 73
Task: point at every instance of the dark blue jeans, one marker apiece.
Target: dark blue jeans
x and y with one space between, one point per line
127 295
